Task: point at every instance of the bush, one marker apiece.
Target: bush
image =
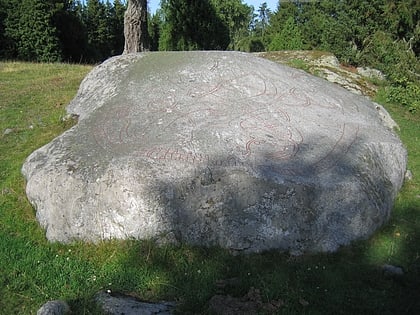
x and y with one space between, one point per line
406 94
394 57
290 37
399 63
251 44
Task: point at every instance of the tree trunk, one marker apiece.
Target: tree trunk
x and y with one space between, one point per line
135 27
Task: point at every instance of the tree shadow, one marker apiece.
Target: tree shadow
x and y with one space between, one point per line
300 204
224 203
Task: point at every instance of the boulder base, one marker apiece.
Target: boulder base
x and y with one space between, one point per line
216 148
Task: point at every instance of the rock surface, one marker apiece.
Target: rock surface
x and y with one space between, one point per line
216 148
391 270
117 304
326 65
7 131
56 307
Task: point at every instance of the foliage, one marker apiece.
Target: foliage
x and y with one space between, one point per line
406 94
251 44
97 25
382 35
376 33
3 15
262 20
33 271
397 60
30 30
54 30
390 55
289 38
235 16
192 25
115 15
154 30
71 32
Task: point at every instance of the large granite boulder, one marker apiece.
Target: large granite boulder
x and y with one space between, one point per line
216 148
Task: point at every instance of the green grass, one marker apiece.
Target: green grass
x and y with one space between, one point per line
33 271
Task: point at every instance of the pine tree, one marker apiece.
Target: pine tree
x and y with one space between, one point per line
3 37
71 31
289 38
29 25
117 27
192 25
98 34
236 16
155 24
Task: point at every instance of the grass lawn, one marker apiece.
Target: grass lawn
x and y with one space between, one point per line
32 271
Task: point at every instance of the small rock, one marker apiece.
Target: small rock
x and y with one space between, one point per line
56 307
7 131
328 61
118 303
371 73
303 302
68 117
385 117
408 175
391 270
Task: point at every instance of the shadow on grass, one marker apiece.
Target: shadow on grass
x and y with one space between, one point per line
350 281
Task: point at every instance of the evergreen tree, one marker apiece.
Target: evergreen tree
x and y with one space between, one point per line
3 37
155 23
71 31
117 27
191 25
29 25
264 14
236 16
98 33
402 20
289 38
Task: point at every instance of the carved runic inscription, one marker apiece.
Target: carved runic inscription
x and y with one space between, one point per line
228 115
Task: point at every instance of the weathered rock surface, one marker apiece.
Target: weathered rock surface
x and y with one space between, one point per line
216 148
391 270
56 307
326 65
117 304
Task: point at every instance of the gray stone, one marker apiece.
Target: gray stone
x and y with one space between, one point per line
216 148
391 270
328 61
116 304
56 307
408 175
386 118
7 131
371 73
